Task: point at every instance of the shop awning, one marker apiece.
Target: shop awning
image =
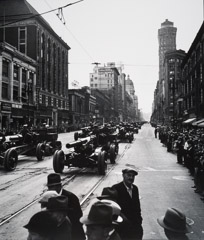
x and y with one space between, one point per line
198 122
189 121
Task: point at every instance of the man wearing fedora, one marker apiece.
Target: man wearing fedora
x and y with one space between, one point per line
99 222
110 195
175 224
74 211
128 200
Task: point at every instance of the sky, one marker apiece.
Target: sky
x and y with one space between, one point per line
121 31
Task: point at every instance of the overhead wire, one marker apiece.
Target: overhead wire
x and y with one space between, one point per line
72 34
37 15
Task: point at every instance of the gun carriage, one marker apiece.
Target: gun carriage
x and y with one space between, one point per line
85 132
42 143
126 133
106 138
82 153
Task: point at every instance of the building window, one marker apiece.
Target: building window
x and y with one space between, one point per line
4 90
22 39
16 73
43 99
5 71
15 93
23 93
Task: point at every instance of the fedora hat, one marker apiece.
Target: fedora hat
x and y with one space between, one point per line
99 214
130 170
175 221
59 203
109 193
48 194
116 209
42 223
53 179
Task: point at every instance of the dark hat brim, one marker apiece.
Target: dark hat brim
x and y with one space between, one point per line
162 224
85 220
54 184
130 171
106 197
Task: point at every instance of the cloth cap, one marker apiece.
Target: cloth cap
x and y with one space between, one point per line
42 223
116 209
48 194
175 221
59 203
130 170
53 179
109 193
100 214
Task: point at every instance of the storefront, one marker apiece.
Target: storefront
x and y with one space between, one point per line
5 116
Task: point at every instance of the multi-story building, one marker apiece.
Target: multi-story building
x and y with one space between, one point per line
173 96
23 28
18 95
192 76
106 79
131 91
167 42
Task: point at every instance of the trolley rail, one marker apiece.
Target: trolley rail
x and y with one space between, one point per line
65 181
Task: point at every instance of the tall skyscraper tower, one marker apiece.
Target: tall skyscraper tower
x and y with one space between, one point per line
167 42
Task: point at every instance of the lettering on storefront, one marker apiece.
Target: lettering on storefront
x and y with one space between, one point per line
6 107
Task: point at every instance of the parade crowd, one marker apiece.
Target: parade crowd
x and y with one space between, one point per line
188 144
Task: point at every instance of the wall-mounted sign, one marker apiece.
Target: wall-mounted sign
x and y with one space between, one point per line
6 107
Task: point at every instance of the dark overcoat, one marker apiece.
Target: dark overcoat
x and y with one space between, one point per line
74 213
130 207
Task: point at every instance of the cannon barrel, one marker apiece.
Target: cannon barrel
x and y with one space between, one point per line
76 143
14 138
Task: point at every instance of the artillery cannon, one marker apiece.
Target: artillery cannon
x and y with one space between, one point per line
41 144
106 138
85 132
47 143
125 133
82 153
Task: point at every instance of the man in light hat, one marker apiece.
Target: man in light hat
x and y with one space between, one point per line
45 197
74 211
99 222
175 224
128 200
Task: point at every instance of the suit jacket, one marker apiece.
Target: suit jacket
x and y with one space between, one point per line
130 207
74 213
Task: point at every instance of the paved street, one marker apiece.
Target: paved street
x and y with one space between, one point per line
162 183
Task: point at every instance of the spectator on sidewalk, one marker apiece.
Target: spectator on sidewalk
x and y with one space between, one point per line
43 226
110 195
175 224
128 200
45 197
74 211
57 206
99 222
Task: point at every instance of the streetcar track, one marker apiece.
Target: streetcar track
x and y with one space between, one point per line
65 180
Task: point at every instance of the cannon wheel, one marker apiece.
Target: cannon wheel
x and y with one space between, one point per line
102 163
10 160
40 151
76 136
112 153
58 161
